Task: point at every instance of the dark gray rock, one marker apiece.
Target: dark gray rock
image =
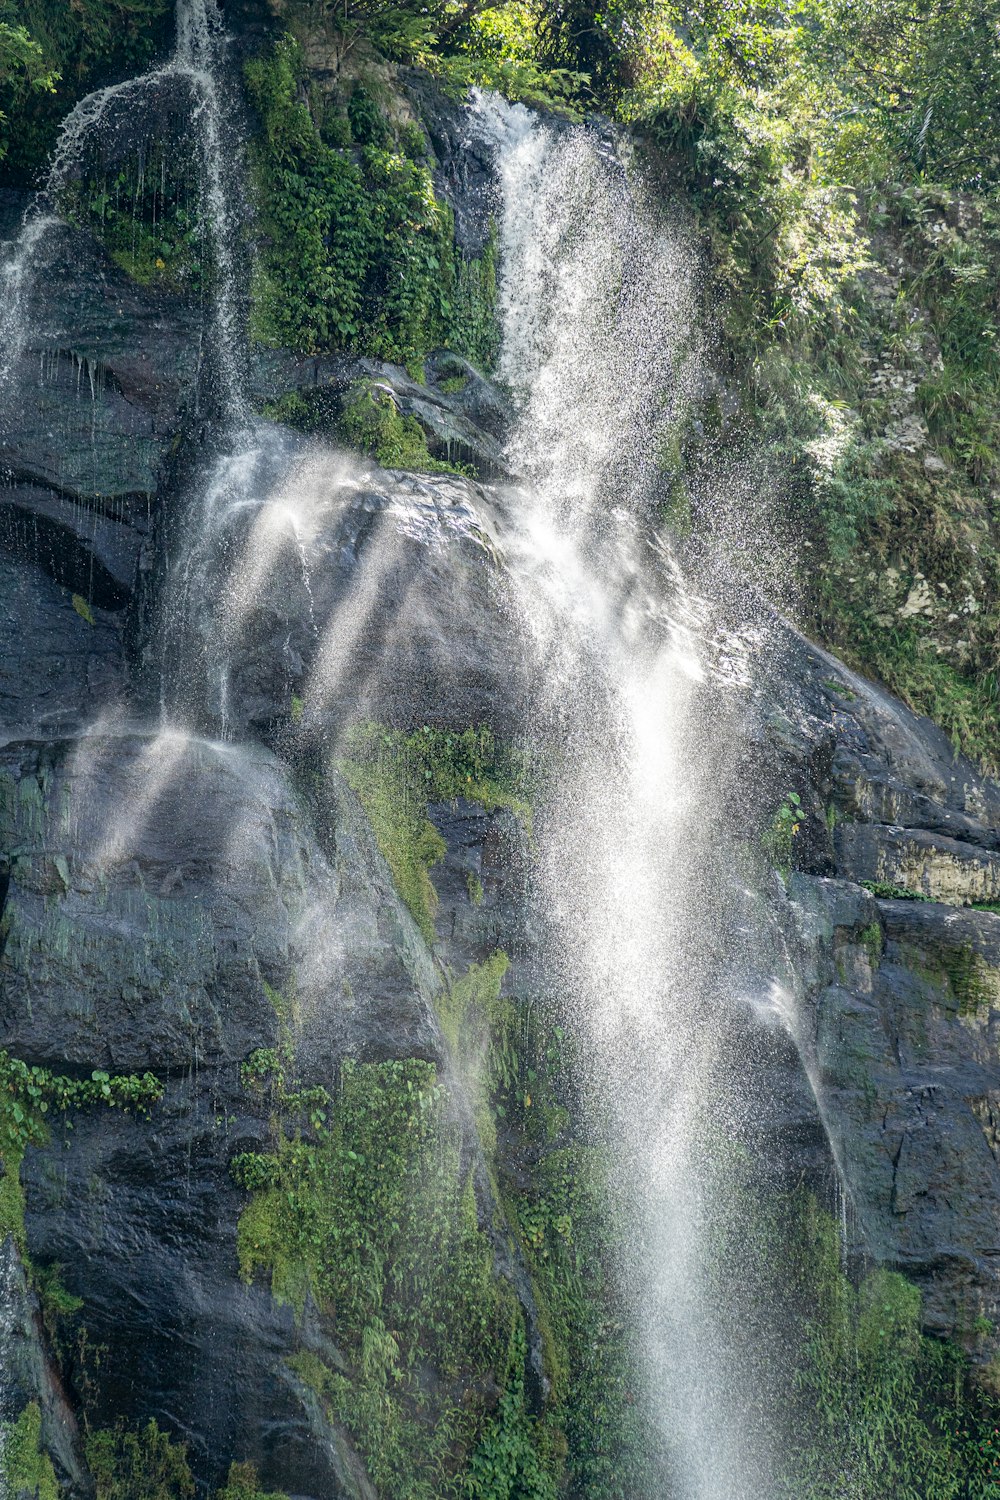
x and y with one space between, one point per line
154 886
57 670
90 553
898 1001
93 403
903 1019
941 868
363 592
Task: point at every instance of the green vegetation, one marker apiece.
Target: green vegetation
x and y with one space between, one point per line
147 214
23 68
356 251
24 1465
779 837
843 161
872 940
396 775
594 1435
886 892
368 419
373 1217
243 1484
83 609
372 421
366 1207
860 1391
969 977
143 1465
29 1096
148 1464
873 1396
51 55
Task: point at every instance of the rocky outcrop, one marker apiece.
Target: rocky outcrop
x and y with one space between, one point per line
30 1376
162 892
899 999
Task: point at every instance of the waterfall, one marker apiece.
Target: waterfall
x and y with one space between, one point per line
600 347
196 61
196 58
8 1412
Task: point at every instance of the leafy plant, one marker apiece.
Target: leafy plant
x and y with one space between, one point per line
888 892
30 1095
143 1464
356 251
372 1215
779 838
25 1467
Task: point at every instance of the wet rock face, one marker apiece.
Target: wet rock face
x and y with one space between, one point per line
899 998
463 166
57 669
162 890
337 591
158 892
93 403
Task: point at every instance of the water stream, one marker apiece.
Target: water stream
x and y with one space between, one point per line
657 971
196 60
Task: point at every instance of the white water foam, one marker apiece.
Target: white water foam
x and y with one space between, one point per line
600 348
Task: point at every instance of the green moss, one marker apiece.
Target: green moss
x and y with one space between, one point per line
860 1389
466 1009
905 657
243 1484
372 421
285 1007
595 1438
24 1465
871 939
57 1303
878 1398
396 775
12 1202
142 1464
969 977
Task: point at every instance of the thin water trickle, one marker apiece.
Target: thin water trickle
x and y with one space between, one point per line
196 60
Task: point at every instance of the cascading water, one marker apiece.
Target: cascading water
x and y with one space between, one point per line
195 61
599 344
597 307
